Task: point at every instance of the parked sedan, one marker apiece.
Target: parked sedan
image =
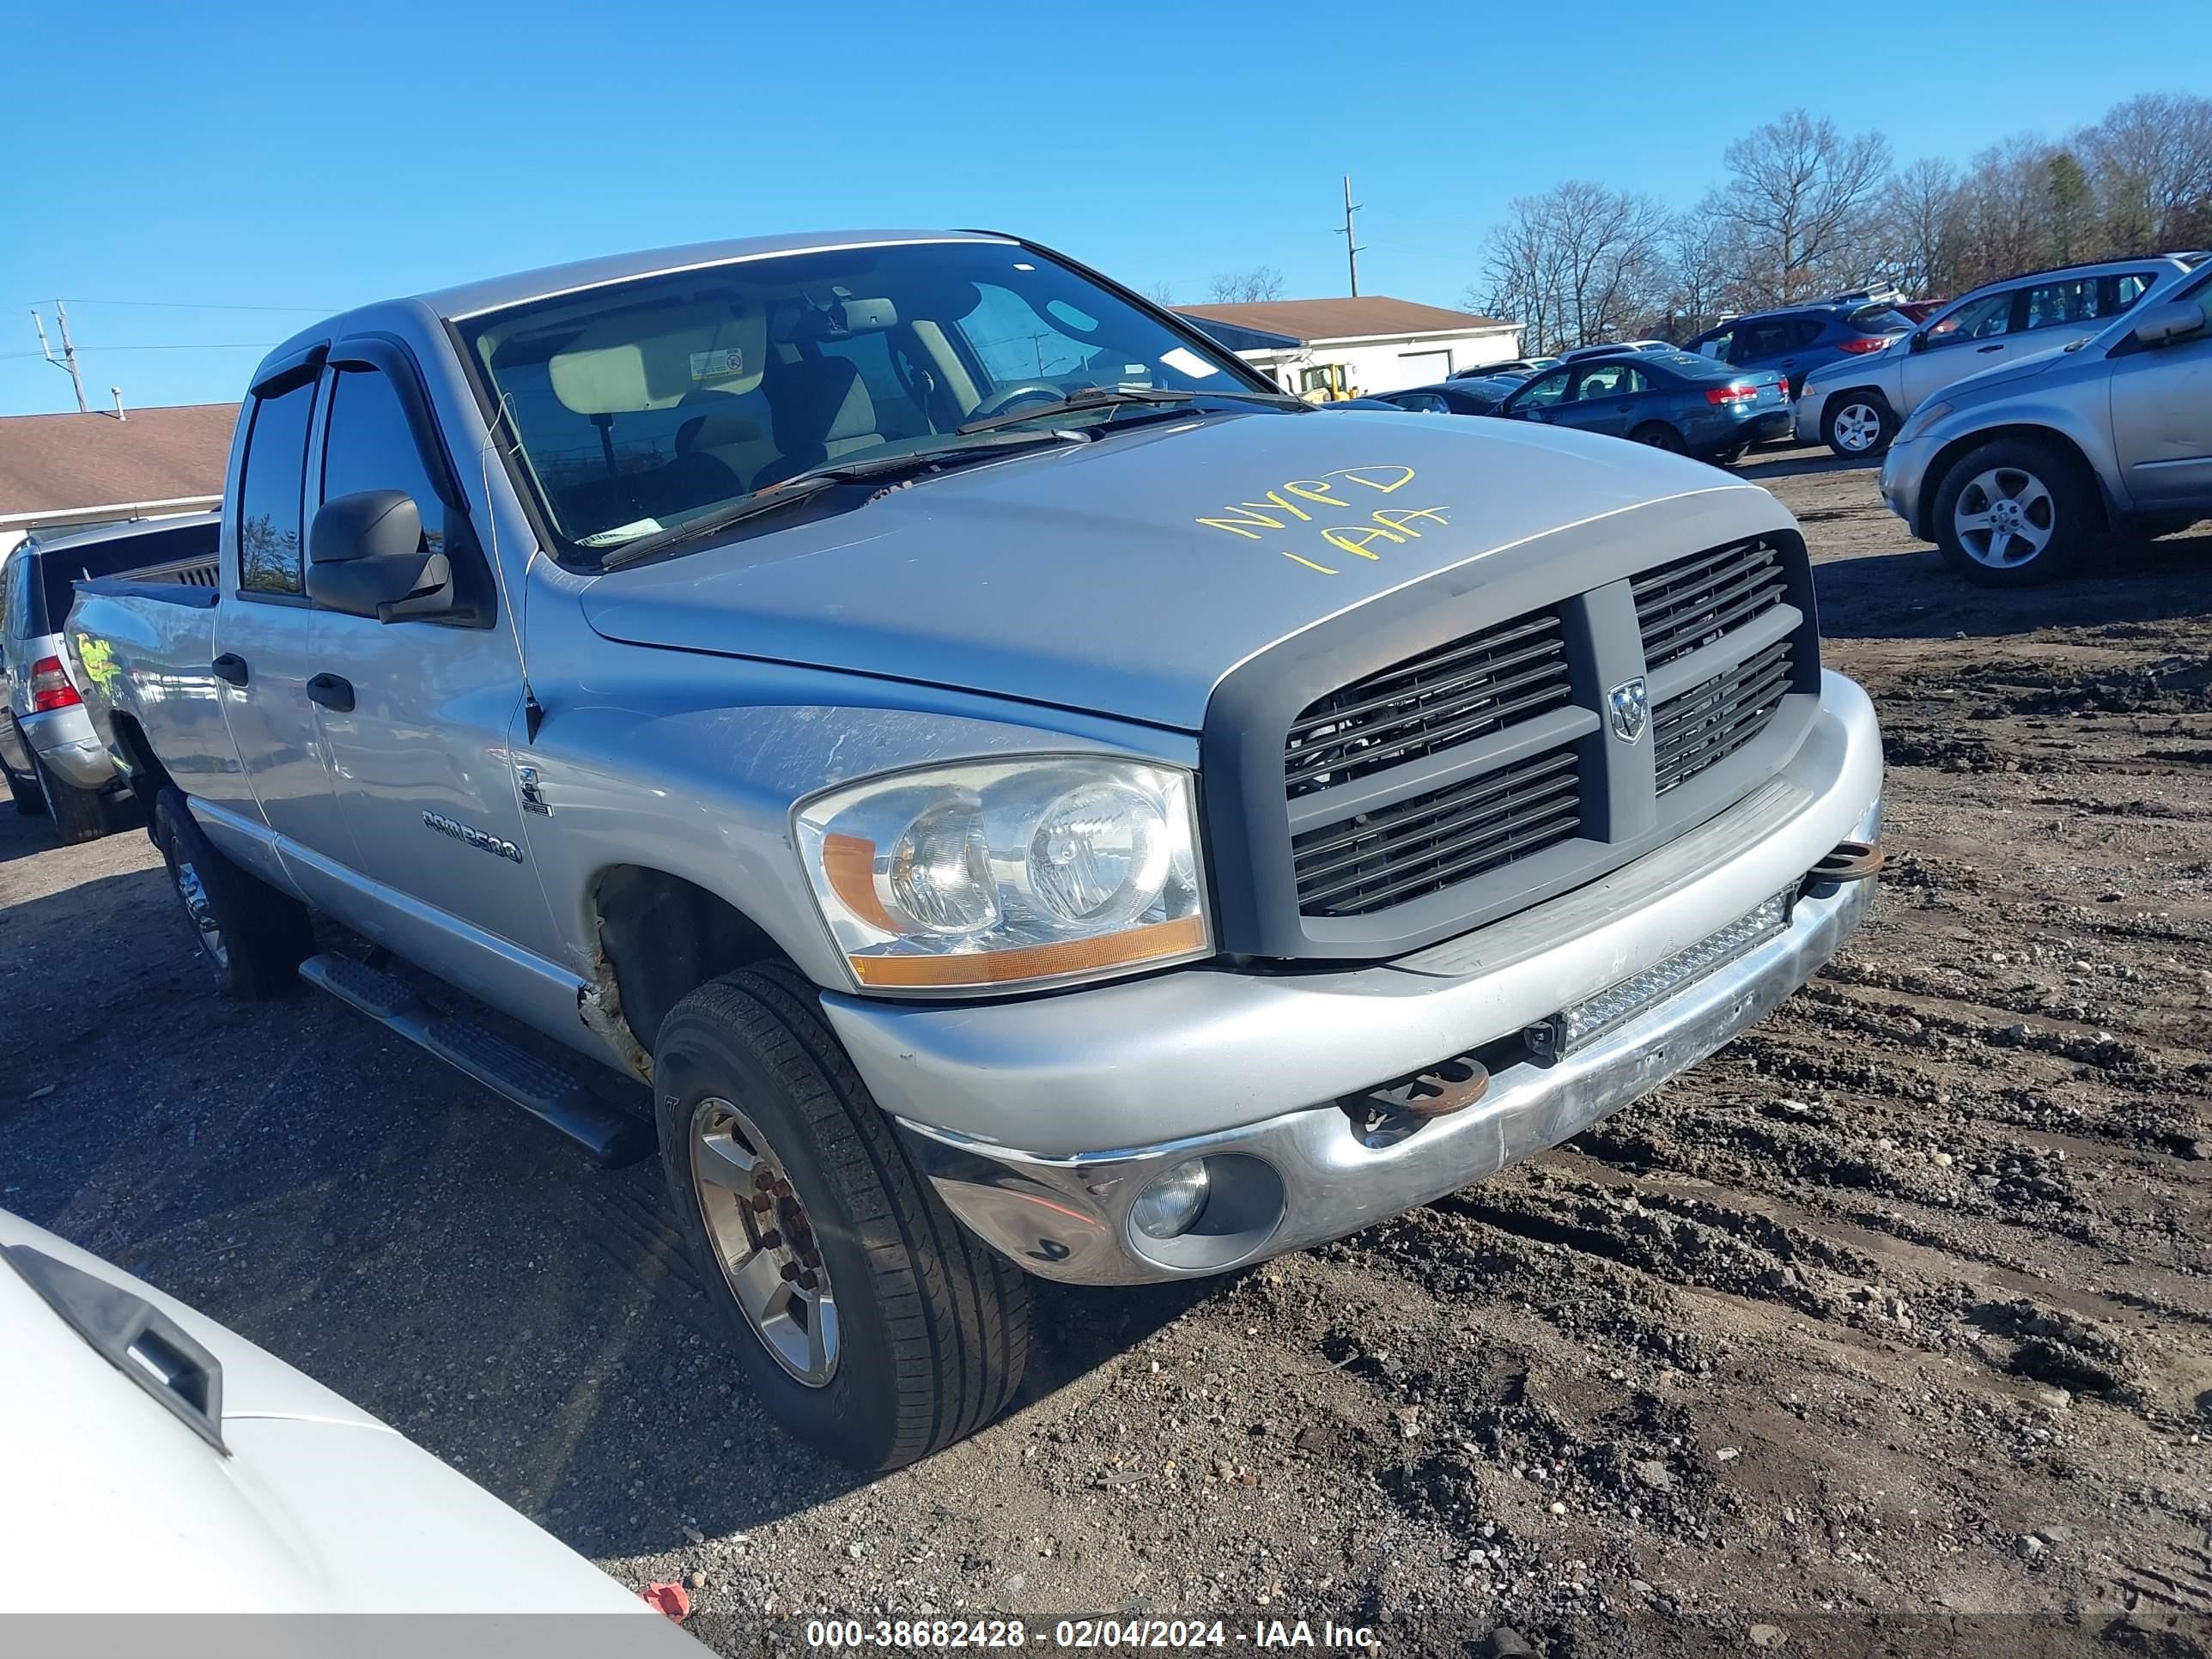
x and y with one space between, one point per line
1799 339
1456 396
1521 368
2012 471
1662 397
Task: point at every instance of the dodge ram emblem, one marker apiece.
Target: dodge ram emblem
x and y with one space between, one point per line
1628 708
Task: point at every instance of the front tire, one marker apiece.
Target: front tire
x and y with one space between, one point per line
1859 425
2012 513
251 937
870 1324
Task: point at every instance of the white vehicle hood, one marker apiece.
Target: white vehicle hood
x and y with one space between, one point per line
113 1505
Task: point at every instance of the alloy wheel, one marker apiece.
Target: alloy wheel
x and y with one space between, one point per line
763 1241
1857 428
2005 517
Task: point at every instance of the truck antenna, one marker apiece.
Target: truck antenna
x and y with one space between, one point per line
533 711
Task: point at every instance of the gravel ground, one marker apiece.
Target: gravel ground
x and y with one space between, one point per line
1894 1316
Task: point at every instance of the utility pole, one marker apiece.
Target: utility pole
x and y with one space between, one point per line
1352 249
67 361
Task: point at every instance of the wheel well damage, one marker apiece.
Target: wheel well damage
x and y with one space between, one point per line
659 938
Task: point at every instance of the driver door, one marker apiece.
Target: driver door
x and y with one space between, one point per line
1606 399
1973 337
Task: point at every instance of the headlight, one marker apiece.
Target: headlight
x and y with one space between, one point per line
1038 871
1921 418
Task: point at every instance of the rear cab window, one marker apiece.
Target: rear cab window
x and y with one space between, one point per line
269 494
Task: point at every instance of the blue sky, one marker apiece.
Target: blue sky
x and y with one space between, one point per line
299 155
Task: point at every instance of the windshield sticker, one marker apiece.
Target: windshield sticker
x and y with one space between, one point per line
714 365
1290 506
1187 361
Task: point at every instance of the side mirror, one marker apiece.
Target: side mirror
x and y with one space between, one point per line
1916 341
2176 319
366 557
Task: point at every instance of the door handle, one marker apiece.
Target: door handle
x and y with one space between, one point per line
332 692
230 666
1998 346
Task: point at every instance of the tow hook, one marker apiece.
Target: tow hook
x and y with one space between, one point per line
1848 861
1390 1111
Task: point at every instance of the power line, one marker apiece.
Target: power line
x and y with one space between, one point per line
187 305
189 345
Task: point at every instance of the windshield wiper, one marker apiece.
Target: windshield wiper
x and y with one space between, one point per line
1096 397
805 486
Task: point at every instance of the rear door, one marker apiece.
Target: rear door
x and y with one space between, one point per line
261 629
2162 418
419 722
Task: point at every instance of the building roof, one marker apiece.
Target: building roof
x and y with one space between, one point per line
1367 317
59 463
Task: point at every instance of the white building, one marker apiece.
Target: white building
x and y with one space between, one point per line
1372 343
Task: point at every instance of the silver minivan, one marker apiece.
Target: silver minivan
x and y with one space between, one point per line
53 760
1856 405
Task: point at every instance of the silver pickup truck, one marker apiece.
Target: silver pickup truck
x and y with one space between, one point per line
1027 796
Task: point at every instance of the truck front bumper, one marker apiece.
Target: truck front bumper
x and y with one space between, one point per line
1012 1109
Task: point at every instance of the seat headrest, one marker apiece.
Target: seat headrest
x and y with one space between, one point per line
623 364
818 401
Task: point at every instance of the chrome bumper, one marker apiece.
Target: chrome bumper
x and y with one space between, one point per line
1068 1217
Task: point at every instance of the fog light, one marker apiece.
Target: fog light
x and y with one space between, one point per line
1170 1206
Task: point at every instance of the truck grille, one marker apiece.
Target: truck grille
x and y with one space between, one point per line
1704 726
1469 688
1434 841
1694 601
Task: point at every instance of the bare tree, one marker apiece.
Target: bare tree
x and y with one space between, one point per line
1248 287
1161 293
2151 162
1705 261
1918 227
2005 210
1800 191
1579 263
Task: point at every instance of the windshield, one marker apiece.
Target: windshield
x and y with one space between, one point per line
644 404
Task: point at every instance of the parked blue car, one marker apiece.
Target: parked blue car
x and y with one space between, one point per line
1669 398
1796 341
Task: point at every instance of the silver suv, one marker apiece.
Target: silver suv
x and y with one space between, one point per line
1856 405
53 761
2012 471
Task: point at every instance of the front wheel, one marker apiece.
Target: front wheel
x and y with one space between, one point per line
1858 425
869 1323
2012 513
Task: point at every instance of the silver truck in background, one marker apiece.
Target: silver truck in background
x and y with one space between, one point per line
1027 796
53 761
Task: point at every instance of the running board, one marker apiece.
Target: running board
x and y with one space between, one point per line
545 1090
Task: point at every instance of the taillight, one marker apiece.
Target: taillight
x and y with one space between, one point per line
1786 386
1731 394
50 687
1864 344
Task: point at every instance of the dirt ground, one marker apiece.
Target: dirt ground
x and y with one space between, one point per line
1889 1324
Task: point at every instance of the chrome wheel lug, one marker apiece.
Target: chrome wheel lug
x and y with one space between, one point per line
771 1240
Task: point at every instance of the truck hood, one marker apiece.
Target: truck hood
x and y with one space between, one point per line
1126 576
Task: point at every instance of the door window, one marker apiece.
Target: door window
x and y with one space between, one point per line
1717 346
1612 380
1756 341
1546 393
1978 319
268 491
2129 288
2054 305
369 445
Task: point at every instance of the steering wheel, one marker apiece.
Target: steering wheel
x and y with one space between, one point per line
1006 396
